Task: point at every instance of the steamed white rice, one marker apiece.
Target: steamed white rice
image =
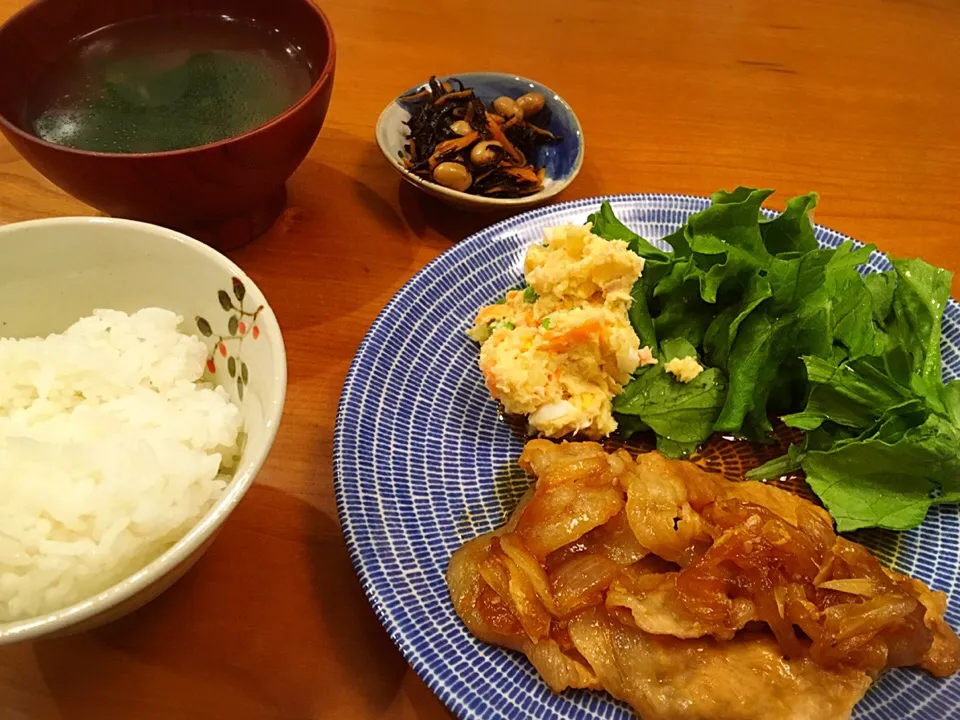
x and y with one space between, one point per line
110 450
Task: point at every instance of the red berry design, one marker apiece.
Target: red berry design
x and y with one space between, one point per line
240 323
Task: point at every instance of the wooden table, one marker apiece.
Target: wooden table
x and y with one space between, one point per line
855 99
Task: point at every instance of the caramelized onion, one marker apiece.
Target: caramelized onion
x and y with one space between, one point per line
580 581
852 586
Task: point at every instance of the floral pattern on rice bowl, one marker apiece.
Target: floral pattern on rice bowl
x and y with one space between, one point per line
241 324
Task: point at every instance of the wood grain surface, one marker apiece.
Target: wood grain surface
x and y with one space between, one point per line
856 99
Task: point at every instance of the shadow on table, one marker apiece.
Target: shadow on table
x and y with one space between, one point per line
400 208
338 247
271 623
422 211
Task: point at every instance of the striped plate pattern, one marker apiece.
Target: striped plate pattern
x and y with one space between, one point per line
422 463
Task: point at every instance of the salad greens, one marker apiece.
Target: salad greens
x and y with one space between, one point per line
786 328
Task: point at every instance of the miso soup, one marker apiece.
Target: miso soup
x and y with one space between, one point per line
166 82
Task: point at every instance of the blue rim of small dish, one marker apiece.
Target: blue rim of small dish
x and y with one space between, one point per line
927 553
571 130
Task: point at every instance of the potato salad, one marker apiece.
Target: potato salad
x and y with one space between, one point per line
560 349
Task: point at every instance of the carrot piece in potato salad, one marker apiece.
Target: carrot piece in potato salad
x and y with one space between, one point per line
560 350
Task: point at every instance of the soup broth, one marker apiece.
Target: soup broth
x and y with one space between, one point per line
166 82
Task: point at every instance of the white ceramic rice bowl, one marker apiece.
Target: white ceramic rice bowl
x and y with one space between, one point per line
58 270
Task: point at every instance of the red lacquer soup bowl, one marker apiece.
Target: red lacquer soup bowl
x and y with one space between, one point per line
224 193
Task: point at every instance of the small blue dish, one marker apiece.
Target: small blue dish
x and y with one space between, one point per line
562 160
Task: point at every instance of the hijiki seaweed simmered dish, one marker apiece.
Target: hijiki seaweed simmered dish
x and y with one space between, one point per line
687 594
457 141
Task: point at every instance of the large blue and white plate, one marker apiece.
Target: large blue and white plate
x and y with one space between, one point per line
423 463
